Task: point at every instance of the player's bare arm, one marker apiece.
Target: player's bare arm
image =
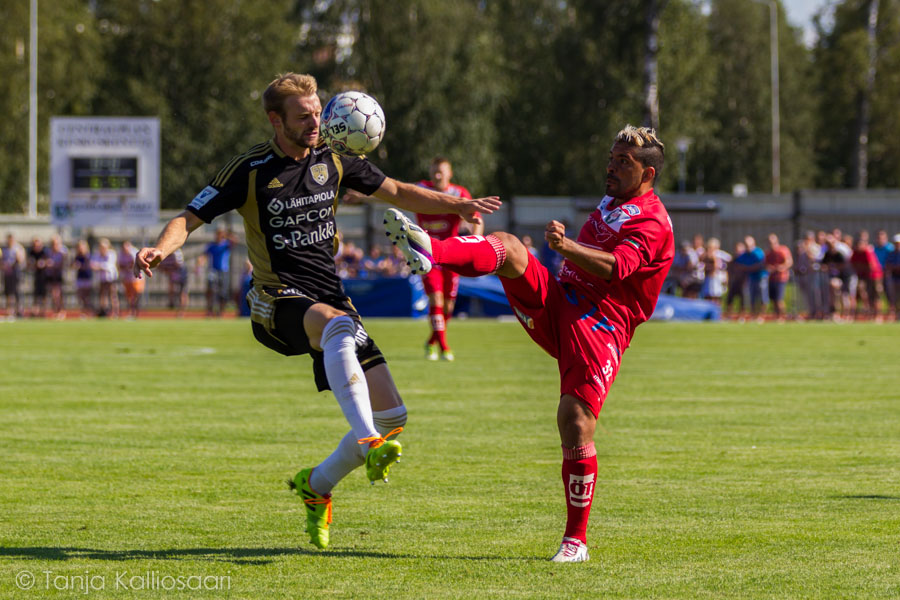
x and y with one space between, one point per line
418 199
173 237
596 262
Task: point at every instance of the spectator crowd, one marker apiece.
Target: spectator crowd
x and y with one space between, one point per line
836 276
353 263
102 279
827 275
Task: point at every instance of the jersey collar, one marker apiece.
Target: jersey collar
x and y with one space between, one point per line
616 202
274 146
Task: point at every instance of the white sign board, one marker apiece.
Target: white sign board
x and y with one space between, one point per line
104 171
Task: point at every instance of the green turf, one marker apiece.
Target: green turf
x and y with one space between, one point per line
736 461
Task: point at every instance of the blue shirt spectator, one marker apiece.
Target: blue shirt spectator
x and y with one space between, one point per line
218 280
219 252
892 261
752 261
883 247
753 264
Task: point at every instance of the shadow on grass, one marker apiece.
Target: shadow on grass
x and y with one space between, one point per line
868 497
240 556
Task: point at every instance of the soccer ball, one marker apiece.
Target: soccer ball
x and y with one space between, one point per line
352 123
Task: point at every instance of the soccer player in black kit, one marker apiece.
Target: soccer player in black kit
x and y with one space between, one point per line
286 190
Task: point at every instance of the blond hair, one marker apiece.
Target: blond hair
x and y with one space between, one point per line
649 150
287 85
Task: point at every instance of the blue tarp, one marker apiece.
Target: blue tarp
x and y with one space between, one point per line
484 297
487 294
673 308
388 297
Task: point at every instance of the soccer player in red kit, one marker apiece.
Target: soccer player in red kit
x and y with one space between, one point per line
608 285
441 285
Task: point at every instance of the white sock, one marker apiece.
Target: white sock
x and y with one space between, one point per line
390 419
347 456
346 378
339 464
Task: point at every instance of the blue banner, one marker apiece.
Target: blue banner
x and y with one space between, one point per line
388 297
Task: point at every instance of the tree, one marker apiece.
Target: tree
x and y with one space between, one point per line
432 65
68 51
200 67
573 84
687 91
739 146
651 73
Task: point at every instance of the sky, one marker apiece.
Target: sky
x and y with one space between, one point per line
800 13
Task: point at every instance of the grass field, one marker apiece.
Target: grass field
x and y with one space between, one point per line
736 461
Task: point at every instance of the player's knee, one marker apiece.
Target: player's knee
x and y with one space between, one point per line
516 255
320 317
575 421
389 420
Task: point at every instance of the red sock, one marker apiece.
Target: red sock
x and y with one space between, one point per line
470 255
438 327
579 473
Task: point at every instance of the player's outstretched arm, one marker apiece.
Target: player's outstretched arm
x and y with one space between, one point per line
418 199
596 262
173 237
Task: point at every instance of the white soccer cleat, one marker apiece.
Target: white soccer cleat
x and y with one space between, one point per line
571 550
412 240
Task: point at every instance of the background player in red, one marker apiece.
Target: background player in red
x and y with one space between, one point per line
608 285
441 285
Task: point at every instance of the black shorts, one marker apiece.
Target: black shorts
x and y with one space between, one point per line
40 286
11 284
289 337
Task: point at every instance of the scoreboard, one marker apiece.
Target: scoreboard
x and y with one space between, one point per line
116 174
104 171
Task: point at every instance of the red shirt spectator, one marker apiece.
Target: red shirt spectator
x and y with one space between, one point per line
865 262
778 260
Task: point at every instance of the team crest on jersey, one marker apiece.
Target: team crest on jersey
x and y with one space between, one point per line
319 173
616 217
631 209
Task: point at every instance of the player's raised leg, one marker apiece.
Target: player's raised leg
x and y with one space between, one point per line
389 416
576 425
470 255
333 332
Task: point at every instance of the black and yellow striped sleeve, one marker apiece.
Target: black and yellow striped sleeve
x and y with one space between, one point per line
228 189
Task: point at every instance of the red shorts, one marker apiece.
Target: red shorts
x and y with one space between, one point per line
570 328
441 280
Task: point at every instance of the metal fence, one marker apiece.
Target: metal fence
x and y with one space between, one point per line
723 216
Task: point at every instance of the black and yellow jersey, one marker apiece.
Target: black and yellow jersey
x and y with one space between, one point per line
288 208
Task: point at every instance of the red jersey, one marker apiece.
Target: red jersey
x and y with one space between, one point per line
865 263
639 234
775 258
442 226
